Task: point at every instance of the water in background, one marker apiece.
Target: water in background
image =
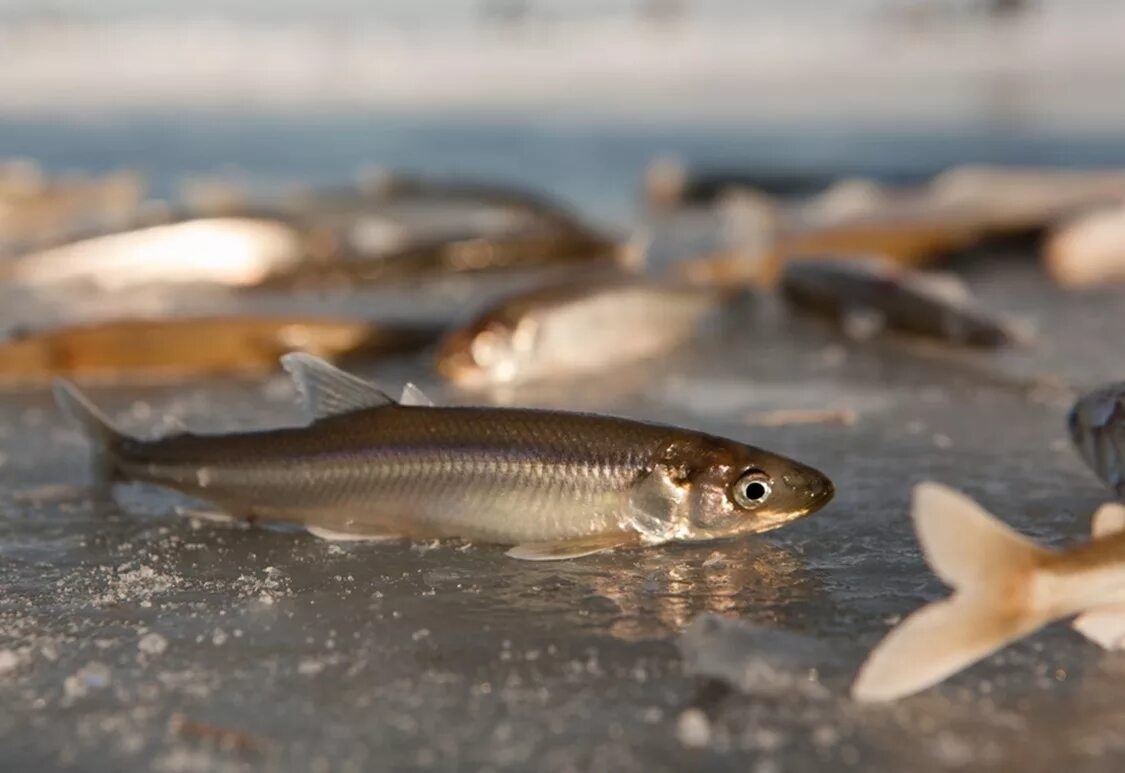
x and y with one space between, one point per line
596 165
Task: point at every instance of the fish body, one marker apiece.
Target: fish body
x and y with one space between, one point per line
903 300
908 239
379 191
1005 587
397 186
575 328
668 183
1024 200
139 349
236 251
1097 428
459 255
554 484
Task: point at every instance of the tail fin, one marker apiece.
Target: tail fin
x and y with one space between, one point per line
988 565
94 424
1105 625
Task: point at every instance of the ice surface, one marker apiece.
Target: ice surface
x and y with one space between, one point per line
131 638
283 652
756 659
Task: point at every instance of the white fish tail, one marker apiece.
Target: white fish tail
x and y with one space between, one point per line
94 424
990 568
1106 625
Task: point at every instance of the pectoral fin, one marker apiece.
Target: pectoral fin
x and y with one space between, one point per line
201 514
574 548
1105 626
656 504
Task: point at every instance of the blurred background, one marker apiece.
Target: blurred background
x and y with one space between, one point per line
577 96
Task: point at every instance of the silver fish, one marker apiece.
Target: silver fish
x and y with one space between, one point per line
574 328
1097 427
1005 587
555 484
236 251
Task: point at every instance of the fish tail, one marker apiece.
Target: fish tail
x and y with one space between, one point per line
95 425
990 568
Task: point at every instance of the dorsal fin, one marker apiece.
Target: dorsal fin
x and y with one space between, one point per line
412 395
1109 519
328 391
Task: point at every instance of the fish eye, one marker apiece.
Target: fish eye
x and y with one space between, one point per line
752 489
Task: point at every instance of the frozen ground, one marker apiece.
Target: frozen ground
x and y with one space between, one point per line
132 638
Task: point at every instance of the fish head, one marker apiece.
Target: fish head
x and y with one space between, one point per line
738 489
491 351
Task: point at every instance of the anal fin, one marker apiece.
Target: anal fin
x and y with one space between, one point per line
1104 626
202 514
561 550
349 536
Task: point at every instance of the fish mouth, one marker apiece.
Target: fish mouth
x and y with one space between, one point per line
813 488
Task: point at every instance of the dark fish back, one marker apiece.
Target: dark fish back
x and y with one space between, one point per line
545 436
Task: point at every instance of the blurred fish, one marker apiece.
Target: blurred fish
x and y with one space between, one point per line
574 328
1023 200
1005 587
1097 428
397 186
838 227
907 238
916 224
423 212
236 251
556 485
149 350
873 290
455 256
669 183
1088 252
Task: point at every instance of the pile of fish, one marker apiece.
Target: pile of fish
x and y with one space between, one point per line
552 485
1076 215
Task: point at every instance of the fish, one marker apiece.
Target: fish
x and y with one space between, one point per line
459 255
378 191
855 287
576 327
234 251
552 484
396 186
1088 252
1023 200
668 183
150 350
907 239
1005 587
1097 429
